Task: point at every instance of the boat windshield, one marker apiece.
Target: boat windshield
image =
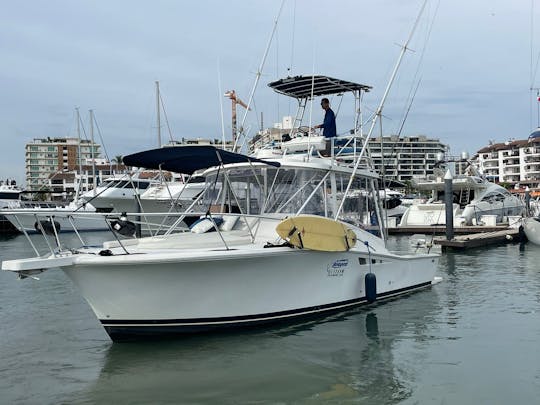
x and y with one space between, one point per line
263 190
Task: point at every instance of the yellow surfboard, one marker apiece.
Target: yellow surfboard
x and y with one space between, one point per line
316 233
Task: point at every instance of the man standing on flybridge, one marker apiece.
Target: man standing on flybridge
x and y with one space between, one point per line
328 126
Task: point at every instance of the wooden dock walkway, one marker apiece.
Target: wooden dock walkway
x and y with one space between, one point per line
479 239
441 229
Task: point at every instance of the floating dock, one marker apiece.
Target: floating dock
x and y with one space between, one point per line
441 229
461 242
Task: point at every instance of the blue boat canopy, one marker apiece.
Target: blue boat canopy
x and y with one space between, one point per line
187 159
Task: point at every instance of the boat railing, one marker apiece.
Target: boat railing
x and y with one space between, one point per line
49 229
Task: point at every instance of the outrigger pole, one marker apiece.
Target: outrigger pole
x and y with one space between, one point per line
378 112
258 76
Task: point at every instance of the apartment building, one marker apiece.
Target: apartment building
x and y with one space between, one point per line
515 161
399 158
63 185
44 157
408 157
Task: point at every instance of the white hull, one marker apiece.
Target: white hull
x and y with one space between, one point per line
434 213
531 227
174 294
427 214
502 209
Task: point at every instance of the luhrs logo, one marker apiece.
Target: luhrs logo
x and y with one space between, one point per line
337 268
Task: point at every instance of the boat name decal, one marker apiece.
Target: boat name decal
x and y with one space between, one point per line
337 268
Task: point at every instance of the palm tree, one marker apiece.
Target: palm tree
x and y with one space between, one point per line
118 160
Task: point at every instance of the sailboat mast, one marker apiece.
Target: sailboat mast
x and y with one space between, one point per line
158 119
92 155
79 137
79 150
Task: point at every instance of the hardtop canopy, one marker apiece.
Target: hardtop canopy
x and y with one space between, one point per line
301 86
187 159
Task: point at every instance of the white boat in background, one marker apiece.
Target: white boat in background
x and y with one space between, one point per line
9 194
124 193
474 197
232 269
118 193
531 228
65 218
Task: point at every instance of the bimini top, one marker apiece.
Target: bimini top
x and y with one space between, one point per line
187 159
300 86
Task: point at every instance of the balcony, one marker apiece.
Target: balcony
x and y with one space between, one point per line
532 169
531 159
490 156
511 171
509 160
532 151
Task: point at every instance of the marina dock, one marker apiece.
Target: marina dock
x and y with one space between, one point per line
474 240
441 229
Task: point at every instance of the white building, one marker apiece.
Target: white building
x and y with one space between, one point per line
63 185
405 158
401 159
516 161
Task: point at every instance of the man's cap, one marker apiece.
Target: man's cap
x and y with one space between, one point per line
325 100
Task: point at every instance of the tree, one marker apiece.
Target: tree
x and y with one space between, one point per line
118 160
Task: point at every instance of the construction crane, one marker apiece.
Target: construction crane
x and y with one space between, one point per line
235 100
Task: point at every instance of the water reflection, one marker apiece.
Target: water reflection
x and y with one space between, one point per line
343 357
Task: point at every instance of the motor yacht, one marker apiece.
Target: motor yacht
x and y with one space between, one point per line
9 194
473 198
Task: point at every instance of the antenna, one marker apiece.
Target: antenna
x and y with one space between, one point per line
158 119
378 112
259 71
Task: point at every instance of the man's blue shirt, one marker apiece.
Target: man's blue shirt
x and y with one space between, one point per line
329 124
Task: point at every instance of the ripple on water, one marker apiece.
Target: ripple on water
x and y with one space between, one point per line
470 339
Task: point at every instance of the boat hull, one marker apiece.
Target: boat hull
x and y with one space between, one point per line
171 296
531 228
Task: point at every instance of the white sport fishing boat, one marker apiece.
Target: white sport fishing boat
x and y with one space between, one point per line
118 193
125 193
269 246
474 197
71 217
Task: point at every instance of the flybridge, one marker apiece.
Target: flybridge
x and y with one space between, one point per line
317 85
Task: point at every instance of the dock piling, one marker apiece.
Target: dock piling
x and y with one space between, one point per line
449 205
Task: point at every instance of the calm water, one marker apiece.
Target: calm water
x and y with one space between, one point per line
474 338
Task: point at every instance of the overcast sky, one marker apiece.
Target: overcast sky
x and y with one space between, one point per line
106 55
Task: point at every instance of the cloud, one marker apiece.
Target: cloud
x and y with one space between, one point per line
57 55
